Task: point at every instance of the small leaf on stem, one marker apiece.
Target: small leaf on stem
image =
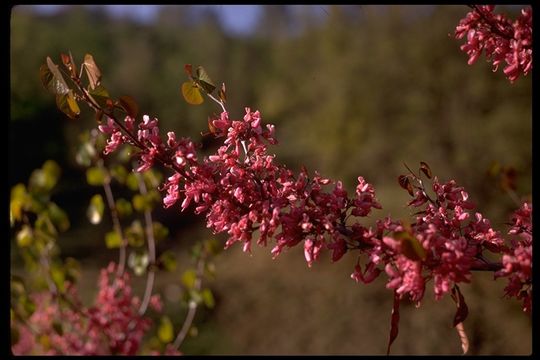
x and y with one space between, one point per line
394 328
129 105
92 70
405 183
191 93
204 80
426 169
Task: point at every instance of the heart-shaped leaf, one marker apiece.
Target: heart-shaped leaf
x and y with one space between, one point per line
53 79
94 75
204 80
129 105
191 93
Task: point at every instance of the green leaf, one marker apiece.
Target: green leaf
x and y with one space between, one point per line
25 236
138 262
129 105
168 260
100 95
123 207
94 75
51 168
132 182
73 269
140 203
208 298
204 80
135 234
165 330
17 203
188 278
119 173
191 93
213 246
44 179
160 231
68 105
410 246
47 77
57 85
95 176
59 278
85 154
95 209
58 217
112 240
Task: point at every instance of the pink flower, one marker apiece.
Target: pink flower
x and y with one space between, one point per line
501 39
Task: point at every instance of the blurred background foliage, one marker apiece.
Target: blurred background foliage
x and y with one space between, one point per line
353 90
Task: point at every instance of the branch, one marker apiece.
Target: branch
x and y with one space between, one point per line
192 306
151 249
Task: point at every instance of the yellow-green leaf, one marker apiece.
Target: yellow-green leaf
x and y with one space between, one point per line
191 93
123 207
168 260
165 331
95 209
100 95
208 298
112 240
95 176
410 246
188 278
25 236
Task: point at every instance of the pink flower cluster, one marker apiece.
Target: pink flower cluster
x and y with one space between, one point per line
245 193
502 40
112 326
444 244
242 190
517 261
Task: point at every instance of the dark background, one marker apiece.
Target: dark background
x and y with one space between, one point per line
352 90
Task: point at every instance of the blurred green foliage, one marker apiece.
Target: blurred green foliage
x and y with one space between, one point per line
355 90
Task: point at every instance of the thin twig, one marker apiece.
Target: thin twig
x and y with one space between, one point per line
114 217
192 306
151 249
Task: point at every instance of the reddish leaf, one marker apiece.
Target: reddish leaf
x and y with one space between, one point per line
405 183
394 328
462 309
68 62
222 94
426 169
463 337
99 115
94 75
211 126
189 70
129 105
